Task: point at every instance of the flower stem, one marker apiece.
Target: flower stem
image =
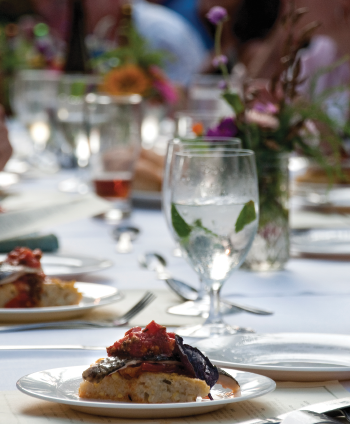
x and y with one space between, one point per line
218 34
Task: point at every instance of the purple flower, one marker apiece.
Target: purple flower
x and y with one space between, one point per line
219 60
225 128
222 85
216 15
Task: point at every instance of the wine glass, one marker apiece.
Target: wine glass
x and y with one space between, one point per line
174 146
214 205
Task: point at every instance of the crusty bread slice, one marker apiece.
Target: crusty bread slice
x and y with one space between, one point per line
59 293
54 293
148 387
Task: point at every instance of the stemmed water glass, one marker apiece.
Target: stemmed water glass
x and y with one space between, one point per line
214 216
208 144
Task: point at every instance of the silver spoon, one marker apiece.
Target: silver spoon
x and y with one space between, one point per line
125 235
155 262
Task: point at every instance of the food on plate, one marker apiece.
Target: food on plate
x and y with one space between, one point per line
23 283
149 169
317 175
152 365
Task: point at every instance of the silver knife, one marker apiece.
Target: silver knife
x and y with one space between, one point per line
312 414
52 347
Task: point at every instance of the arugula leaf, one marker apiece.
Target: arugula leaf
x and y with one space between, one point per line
179 224
246 216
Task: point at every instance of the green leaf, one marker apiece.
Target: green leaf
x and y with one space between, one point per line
179 224
246 216
234 101
78 89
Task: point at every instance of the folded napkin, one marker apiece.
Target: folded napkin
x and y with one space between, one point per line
47 243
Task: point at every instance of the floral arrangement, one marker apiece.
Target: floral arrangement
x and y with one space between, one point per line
273 118
135 68
29 44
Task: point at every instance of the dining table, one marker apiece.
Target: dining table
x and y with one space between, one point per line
307 296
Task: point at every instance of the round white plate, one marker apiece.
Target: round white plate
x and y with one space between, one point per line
7 179
283 356
321 243
61 385
94 295
60 265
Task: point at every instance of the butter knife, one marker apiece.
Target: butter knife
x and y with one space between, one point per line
51 347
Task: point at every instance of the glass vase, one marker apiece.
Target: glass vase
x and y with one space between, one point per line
270 248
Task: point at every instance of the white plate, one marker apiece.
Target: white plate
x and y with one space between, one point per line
7 179
60 265
321 243
61 385
94 295
283 356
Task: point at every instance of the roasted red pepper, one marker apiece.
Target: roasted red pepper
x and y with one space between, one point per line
138 343
25 256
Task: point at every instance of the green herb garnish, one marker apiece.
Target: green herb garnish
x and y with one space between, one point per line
246 216
179 224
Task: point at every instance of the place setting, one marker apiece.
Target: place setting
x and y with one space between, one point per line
174 232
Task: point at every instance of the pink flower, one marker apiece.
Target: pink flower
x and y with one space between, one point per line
264 120
166 90
217 14
265 107
219 60
163 86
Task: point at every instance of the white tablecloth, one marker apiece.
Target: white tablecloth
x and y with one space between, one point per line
308 296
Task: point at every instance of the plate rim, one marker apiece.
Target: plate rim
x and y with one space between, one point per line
87 269
313 369
139 406
105 300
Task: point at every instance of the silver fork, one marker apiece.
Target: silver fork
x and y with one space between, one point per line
146 299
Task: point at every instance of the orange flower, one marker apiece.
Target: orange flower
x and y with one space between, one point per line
129 79
198 129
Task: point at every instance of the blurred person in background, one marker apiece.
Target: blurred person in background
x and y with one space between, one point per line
260 49
164 29
5 146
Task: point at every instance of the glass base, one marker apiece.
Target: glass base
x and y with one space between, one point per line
114 216
211 330
200 308
74 185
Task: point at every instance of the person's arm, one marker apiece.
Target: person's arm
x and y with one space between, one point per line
5 146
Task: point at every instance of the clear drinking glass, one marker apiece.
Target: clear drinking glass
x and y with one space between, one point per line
205 94
33 99
73 126
115 140
179 145
214 205
34 95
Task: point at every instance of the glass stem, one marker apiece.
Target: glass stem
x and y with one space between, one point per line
214 312
202 292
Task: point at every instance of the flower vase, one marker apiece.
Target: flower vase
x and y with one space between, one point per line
270 248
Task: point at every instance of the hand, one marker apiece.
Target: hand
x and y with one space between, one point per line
5 146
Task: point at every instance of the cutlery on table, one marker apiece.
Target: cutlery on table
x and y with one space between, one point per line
118 322
323 412
298 417
125 235
156 262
